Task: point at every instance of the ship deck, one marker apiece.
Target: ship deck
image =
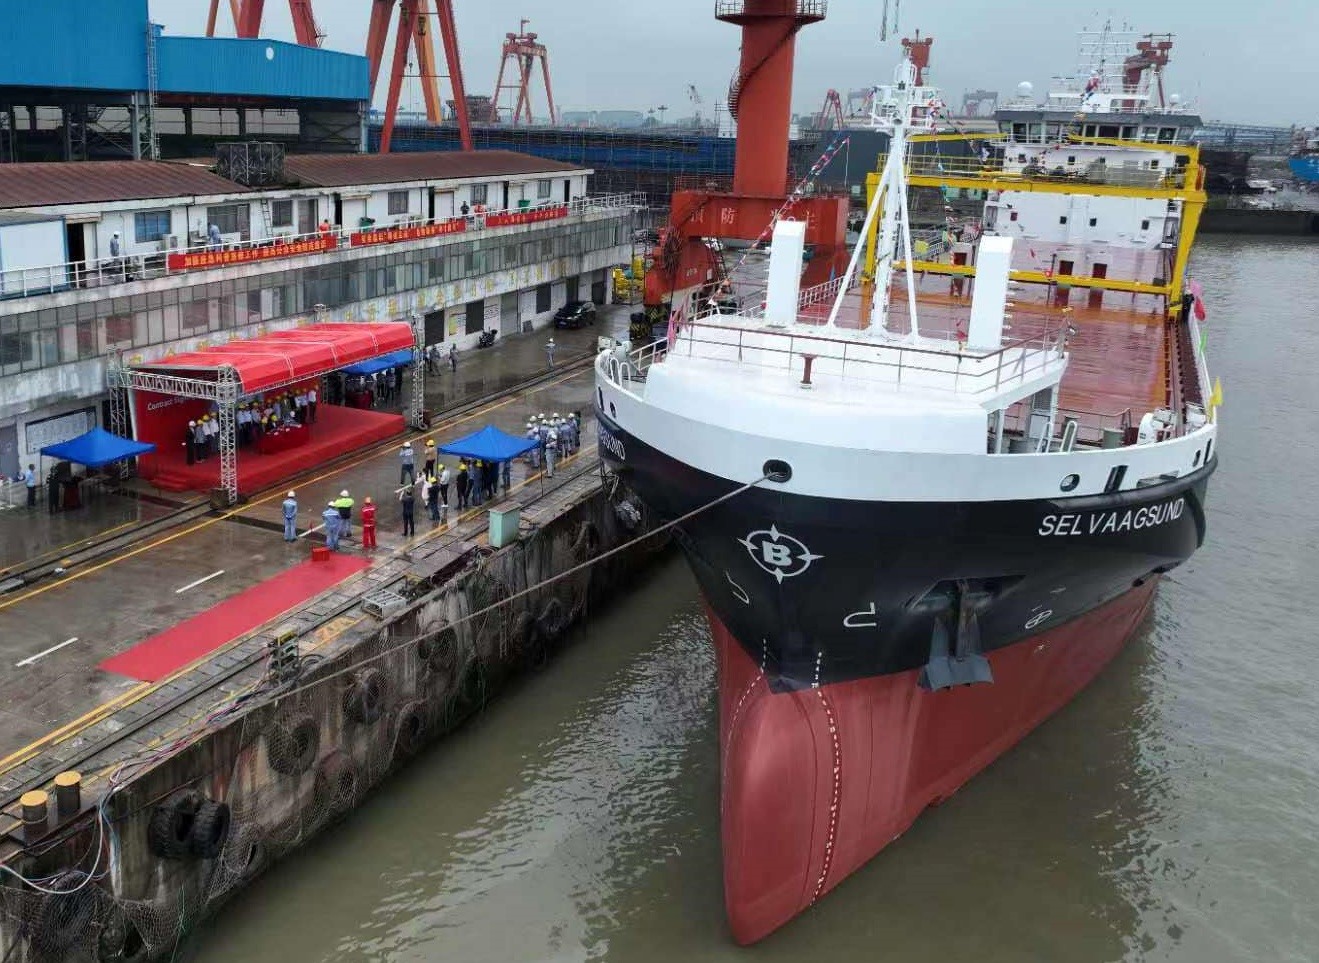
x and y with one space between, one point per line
1118 357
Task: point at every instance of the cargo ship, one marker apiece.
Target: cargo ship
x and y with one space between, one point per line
928 500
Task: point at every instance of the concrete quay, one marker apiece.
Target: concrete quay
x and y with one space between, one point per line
389 658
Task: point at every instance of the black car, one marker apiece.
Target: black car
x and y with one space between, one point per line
574 314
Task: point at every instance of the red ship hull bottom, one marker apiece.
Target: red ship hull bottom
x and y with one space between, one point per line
816 782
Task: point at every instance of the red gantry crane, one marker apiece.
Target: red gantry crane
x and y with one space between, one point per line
413 30
523 50
247 20
760 98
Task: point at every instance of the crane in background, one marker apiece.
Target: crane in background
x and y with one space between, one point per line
523 50
694 96
832 110
247 16
414 29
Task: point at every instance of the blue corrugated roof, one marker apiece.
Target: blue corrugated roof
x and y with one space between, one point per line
267 68
72 43
102 46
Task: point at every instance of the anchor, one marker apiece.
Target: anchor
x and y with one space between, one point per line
959 662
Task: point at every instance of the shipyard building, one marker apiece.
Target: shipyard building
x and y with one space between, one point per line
130 261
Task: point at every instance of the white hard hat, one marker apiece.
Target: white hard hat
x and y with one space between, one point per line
344 493
293 495
192 424
406 444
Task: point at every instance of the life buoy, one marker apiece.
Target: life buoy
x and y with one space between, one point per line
364 699
292 744
169 833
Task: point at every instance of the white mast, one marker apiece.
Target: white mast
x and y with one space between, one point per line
896 110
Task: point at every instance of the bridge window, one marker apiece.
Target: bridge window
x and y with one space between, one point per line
1013 216
1063 219
1094 222
1145 224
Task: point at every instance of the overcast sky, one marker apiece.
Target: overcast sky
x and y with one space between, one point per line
1248 62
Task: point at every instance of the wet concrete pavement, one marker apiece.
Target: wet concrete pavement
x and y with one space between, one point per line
112 604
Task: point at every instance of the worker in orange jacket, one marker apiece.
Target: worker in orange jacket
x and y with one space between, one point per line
368 523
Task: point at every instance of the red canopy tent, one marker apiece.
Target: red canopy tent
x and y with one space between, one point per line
285 357
226 373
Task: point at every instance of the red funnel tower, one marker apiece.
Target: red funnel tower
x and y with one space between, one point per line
762 89
760 98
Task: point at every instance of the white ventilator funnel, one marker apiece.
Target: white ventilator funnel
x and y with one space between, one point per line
988 304
785 261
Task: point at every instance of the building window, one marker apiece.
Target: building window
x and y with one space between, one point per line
150 226
230 219
119 329
398 202
543 189
281 214
480 193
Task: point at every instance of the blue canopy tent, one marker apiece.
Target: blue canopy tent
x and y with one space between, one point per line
489 444
396 359
97 448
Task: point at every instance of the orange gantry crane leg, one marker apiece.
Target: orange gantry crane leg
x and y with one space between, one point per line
524 50
413 16
247 16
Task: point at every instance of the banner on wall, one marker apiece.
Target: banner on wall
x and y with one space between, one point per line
196 260
508 218
392 235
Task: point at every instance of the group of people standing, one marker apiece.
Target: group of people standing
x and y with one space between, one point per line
336 520
254 417
556 437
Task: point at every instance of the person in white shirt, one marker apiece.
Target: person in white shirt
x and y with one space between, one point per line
311 405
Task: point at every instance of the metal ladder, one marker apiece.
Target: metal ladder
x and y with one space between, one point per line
148 144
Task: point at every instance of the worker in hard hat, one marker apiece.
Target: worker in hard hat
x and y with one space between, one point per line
368 523
331 517
291 517
345 505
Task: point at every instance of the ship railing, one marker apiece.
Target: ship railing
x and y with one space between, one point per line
22 282
1094 429
865 357
994 172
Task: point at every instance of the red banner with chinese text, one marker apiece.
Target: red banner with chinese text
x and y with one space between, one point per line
196 260
507 218
392 235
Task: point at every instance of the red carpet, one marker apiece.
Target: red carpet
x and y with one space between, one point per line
158 656
337 431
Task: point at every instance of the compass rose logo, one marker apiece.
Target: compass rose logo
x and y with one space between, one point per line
778 554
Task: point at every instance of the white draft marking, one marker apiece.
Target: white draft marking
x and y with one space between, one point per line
54 648
739 592
192 585
778 554
865 619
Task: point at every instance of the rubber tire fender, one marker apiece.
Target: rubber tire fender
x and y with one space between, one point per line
364 699
410 730
552 620
169 833
337 782
292 744
64 917
440 653
587 542
120 939
245 852
210 829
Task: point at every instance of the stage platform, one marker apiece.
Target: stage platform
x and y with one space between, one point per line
336 432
